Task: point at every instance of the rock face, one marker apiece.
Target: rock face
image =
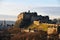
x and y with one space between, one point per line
19 19
20 16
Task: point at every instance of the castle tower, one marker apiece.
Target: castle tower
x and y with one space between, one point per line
4 23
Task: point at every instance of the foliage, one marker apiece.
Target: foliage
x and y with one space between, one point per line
42 35
14 30
5 35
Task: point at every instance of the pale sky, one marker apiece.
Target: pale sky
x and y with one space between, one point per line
14 7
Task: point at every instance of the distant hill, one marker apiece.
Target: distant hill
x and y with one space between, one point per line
8 22
8 17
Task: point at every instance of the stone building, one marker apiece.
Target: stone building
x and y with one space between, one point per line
26 16
29 17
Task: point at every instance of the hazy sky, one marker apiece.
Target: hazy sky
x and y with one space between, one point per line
14 7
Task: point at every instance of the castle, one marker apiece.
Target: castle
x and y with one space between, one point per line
29 17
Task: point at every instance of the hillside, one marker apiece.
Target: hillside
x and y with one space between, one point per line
41 26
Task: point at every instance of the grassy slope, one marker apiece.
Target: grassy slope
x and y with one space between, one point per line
41 26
